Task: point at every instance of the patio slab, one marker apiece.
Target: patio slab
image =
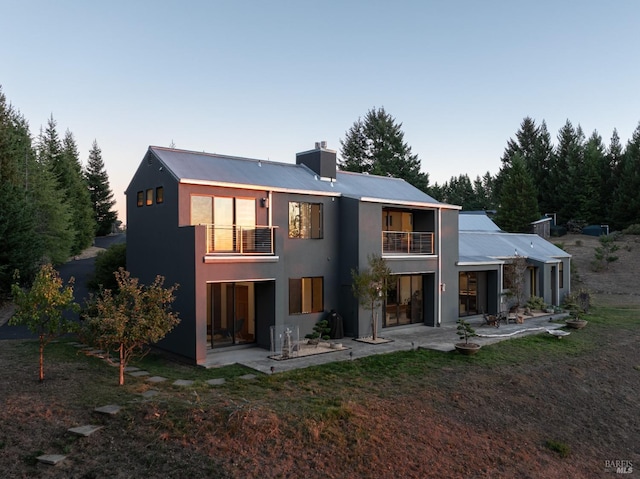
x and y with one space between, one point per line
404 338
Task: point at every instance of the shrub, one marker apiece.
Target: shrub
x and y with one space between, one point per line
577 302
536 302
320 331
560 447
107 263
632 229
604 252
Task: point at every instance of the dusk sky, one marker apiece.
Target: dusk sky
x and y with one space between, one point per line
267 79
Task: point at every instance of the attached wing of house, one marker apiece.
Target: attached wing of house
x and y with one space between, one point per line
484 252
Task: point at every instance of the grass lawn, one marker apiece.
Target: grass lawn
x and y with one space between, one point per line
559 406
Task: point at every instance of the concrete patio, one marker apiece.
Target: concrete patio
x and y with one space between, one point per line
403 338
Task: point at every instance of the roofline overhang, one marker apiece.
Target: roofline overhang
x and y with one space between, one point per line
479 263
369 199
246 186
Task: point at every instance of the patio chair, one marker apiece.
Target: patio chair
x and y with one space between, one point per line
491 320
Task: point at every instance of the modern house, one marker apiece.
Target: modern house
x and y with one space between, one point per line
486 252
258 246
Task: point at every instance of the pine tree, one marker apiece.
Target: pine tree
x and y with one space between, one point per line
569 177
73 182
518 205
610 176
54 215
533 144
626 204
592 206
376 146
20 245
100 192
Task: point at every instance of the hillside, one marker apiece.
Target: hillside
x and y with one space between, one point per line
616 285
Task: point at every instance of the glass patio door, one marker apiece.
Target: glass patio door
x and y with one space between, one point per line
231 314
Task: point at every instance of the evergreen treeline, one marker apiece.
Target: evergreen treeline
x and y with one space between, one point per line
48 210
580 180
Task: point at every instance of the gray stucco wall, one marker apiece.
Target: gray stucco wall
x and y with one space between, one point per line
301 258
155 246
449 257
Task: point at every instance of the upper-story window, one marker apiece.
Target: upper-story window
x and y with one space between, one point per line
159 195
149 197
305 220
140 198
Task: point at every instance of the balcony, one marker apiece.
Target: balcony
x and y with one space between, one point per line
243 240
407 242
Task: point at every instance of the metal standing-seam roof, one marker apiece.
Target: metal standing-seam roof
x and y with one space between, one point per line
495 247
221 170
481 241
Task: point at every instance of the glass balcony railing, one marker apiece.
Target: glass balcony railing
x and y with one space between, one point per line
246 240
407 242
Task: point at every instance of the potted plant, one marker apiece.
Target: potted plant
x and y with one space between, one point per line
465 331
576 322
320 331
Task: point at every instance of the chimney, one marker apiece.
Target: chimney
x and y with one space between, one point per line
320 160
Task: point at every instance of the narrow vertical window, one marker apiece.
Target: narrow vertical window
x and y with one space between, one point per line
159 195
140 198
306 295
149 196
305 220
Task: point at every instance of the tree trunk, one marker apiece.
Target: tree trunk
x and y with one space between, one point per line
41 358
374 323
121 366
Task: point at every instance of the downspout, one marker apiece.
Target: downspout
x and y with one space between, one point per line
557 285
440 266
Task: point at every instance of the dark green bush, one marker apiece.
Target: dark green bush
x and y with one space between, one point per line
632 229
107 263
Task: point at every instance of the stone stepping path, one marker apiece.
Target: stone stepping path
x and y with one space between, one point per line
51 459
150 393
183 382
131 369
216 381
85 431
111 409
138 374
248 377
156 379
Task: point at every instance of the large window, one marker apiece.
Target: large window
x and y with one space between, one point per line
561 275
223 211
306 295
305 220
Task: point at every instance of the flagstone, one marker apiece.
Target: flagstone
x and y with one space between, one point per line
111 409
216 381
156 379
51 459
183 382
84 430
